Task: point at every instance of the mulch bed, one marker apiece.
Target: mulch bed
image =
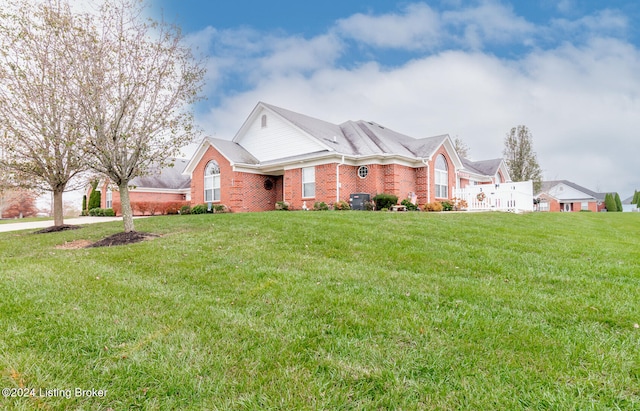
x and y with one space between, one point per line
57 228
122 239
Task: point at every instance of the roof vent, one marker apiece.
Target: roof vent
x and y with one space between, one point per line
335 139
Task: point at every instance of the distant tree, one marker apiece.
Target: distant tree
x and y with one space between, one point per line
21 203
137 80
42 143
610 203
461 147
636 198
618 202
521 160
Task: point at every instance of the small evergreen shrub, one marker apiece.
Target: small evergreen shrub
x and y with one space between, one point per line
320 206
341 205
102 212
610 203
385 201
185 209
447 205
199 209
410 206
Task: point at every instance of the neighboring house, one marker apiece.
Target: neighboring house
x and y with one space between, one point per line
627 206
563 195
279 155
150 194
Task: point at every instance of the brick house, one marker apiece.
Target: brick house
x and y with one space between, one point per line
280 155
563 195
150 194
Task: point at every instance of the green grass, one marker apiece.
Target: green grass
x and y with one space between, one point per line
24 220
329 310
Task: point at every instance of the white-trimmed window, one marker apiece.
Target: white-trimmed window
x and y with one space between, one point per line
308 182
212 182
442 177
584 205
109 201
363 171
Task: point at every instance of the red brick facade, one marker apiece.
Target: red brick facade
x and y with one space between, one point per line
243 192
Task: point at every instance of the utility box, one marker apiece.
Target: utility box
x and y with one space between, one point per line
357 201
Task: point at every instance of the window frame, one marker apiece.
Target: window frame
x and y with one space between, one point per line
308 182
212 182
440 175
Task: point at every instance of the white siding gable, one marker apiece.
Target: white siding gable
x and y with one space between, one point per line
564 192
278 139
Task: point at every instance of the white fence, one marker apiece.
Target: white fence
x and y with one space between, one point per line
515 197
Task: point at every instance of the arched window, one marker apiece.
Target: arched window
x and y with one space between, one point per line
212 182
442 177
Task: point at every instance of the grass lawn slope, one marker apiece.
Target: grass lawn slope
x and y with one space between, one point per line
326 310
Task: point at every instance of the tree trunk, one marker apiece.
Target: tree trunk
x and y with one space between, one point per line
58 211
127 213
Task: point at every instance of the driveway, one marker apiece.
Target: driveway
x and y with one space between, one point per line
43 224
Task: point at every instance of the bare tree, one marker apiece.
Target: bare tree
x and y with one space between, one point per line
138 80
521 160
42 142
461 147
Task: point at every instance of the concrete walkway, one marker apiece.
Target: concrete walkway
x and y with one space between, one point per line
43 224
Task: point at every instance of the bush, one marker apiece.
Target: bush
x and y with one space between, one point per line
410 206
282 205
185 209
435 206
341 205
369 205
610 203
102 212
219 208
199 209
320 206
94 200
447 205
385 201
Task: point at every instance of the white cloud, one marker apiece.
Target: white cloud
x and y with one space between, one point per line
417 28
579 100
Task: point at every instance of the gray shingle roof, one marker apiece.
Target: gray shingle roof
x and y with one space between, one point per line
548 185
361 138
484 167
233 151
168 178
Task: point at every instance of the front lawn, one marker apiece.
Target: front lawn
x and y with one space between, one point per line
327 310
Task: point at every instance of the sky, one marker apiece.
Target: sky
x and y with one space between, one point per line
569 70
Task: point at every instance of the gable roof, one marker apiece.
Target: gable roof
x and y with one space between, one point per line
484 167
547 186
360 138
168 178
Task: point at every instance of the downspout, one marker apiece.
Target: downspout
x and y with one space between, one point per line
425 161
338 179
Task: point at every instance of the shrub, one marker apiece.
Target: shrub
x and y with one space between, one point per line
185 209
447 205
219 208
369 205
385 201
320 206
460 204
94 200
618 202
410 206
384 209
435 206
84 204
199 209
610 203
102 212
141 207
341 205
282 205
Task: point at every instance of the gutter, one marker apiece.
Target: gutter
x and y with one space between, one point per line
425 161
338 179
